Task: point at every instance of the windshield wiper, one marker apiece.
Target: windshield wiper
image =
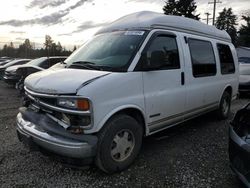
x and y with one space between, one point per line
84 64
92 66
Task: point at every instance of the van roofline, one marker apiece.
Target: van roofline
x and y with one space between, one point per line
152 20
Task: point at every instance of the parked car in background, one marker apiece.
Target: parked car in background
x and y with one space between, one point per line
25 71
12 63
141 74
239 144
17 74
5 60
244 60
244 69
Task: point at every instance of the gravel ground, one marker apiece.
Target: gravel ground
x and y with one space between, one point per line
193 154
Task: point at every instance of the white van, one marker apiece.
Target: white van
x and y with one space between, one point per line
139 75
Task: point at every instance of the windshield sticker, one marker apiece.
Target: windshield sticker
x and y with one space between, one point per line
139 33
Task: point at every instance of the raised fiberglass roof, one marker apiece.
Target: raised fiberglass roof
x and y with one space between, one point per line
148 19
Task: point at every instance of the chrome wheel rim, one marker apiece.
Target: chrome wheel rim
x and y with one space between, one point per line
122 145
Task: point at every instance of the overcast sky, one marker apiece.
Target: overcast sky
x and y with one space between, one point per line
73 21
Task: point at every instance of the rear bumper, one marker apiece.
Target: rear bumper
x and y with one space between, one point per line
35 134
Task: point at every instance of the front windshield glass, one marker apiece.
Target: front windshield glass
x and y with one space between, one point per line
109 51
36 62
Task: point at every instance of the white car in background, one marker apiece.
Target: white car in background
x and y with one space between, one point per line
244 70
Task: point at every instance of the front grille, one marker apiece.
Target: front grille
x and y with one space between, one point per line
51 101
48 104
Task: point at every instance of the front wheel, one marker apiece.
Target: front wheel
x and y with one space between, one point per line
119 143
225 105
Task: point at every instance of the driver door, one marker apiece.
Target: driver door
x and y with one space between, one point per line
163 78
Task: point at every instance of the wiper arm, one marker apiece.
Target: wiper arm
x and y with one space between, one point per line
84 64
90 65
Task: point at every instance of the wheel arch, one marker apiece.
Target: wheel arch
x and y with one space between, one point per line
227 88
131 110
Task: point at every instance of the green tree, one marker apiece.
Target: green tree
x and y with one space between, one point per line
27 50
186 8
5 50
244 33
59 48
11 50
227 21
48 44
27 47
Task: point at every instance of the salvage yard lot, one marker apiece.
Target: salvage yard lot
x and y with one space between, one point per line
193 154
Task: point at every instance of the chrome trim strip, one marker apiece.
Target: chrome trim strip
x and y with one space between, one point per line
171 121
50 95
30 94
58 108
181 114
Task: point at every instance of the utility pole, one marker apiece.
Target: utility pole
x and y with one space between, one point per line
207 19
214 11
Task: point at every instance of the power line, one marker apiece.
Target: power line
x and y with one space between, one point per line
215 2
207 19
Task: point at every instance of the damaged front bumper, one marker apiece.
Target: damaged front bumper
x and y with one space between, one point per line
38 129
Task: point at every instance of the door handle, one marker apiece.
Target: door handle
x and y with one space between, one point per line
182 78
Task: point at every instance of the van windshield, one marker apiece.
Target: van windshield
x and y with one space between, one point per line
112 51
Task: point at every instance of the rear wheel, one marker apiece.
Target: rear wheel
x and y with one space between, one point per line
225 105
119 143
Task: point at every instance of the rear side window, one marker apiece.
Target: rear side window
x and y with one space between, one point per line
202 56
226 59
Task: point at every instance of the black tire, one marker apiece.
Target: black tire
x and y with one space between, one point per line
225 106
116 129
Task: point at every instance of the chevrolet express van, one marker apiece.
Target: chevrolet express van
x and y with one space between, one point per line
139 75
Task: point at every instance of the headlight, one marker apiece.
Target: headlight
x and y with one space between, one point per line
78 104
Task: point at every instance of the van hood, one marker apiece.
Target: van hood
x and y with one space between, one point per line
63 81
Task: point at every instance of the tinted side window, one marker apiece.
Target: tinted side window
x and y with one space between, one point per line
226 59
44 64
53 61
21 62
203 59
162 53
